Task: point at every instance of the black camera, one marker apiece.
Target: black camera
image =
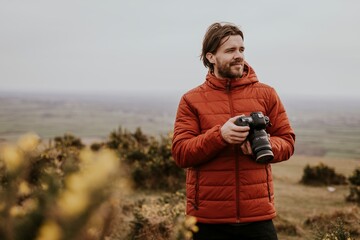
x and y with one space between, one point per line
258 137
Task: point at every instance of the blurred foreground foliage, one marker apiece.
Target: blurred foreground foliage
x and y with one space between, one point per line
52 192
65 190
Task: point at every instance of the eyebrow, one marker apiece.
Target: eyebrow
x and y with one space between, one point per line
233 48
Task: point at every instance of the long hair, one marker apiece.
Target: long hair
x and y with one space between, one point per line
212 39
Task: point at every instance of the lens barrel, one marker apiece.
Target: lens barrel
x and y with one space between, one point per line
260 146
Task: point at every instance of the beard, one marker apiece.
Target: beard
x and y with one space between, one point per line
225 70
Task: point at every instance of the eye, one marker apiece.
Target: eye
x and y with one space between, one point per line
229 50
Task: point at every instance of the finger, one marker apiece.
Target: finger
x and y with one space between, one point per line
238 140
239 135
246 148
240 128
233 119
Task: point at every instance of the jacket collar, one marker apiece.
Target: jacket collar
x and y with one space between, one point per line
248 77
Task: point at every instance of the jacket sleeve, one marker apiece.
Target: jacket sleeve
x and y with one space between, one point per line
190 147
282 136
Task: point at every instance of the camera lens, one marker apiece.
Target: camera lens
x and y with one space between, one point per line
264 156
261 146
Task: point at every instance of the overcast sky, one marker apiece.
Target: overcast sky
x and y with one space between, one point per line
301 48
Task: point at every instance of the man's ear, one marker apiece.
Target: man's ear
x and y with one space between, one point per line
210 57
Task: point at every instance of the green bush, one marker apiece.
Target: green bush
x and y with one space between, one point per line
149 160
68 140
354 180
322 175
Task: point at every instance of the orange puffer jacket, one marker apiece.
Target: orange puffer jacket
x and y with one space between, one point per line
222 184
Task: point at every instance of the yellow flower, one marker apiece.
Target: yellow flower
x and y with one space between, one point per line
49 231
194 228
76 183
29 142
190 221
188 235
96 170
98 167
17 211
12 157
73 203
86 157
24 188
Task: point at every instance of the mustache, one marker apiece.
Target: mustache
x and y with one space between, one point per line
235 62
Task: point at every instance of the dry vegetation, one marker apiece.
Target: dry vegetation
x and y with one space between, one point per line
298 203
128 187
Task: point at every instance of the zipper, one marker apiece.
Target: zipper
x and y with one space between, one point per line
228 85
267 182
197 176
236 150
237 179
228 91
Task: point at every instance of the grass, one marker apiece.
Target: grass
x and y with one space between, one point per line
296 202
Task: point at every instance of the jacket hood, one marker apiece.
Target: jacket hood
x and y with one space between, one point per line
248 77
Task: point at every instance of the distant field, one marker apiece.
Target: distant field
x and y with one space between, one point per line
87 117
328 128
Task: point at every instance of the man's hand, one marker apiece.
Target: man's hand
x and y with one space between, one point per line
232 133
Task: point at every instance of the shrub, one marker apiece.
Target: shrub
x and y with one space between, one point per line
354 180
68 140
65 190
55 193
336 231
322 175
149 160
341 224
162 218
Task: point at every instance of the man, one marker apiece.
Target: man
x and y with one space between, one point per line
230 194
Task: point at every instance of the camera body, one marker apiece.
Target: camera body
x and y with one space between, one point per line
258 137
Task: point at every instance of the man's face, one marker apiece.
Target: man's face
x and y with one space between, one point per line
228 61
